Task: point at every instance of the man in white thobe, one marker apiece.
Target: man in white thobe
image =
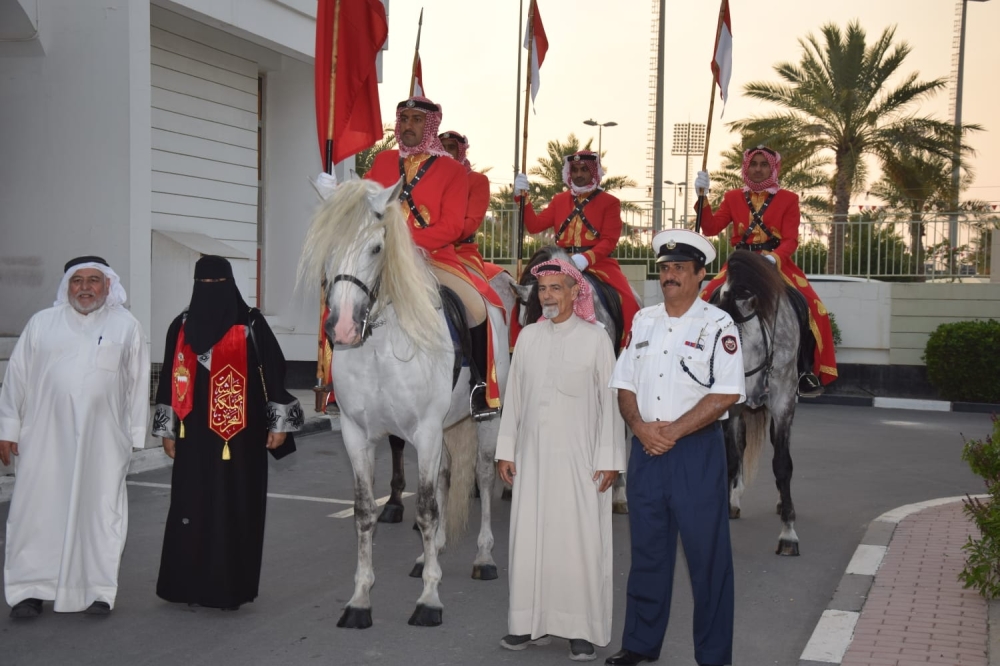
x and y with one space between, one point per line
561 446
74 403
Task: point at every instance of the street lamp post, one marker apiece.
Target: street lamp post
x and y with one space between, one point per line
600 127
673 211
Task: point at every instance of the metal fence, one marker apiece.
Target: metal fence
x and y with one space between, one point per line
878 246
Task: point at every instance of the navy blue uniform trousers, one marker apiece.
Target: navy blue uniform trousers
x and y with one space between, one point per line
683 491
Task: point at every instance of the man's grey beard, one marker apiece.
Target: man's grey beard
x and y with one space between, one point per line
84 310
550 311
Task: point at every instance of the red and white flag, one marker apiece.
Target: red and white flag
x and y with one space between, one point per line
362 29
722 65
418 78
536 42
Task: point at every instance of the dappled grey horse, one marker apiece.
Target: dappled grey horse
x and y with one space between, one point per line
393 373
756 297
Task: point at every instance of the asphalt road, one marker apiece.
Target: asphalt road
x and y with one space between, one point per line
851 465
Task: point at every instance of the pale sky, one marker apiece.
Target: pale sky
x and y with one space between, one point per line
598 66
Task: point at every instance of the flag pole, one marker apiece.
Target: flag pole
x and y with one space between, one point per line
517 110
708 126
524 142
321 378
416 53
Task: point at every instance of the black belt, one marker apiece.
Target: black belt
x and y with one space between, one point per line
770 245
470 239
577 249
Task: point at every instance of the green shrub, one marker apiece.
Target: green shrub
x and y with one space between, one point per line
837 339
982 556
962 359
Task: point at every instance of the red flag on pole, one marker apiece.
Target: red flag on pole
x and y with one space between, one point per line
357 118
722 64
540 46
418 79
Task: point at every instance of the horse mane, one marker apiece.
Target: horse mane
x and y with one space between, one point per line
346 218
749 275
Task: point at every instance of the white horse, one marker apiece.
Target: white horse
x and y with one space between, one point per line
393 364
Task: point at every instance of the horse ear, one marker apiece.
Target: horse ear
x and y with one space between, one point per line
522 291
381 200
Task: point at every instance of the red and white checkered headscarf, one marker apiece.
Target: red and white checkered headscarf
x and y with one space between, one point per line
592 160
583 306
430 143
773 158
463 146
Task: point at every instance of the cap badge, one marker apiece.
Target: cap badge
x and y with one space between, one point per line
410 104
671 244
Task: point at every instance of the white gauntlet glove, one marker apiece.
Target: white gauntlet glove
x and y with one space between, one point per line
771 258
581 262
325 184
702 183
521 185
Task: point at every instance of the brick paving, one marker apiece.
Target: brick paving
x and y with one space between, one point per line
917 611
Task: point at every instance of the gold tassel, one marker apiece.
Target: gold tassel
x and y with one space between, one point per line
225 451
182 430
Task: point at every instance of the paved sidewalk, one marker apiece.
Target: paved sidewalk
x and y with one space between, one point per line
916 610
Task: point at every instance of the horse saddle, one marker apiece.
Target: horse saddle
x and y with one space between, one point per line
612 302
458 327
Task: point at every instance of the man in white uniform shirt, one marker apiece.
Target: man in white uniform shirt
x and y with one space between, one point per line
74 403
680 373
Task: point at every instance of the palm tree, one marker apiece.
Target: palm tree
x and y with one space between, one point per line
363 160
837 99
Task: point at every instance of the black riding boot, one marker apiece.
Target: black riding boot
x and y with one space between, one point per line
481 411
809 384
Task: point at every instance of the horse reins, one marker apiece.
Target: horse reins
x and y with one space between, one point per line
768 361
367 326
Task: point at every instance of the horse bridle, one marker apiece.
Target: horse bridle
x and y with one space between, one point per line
367 325
768 362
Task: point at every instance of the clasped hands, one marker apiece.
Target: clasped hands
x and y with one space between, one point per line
656 437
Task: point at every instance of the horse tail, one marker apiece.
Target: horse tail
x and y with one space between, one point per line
755 421
461 442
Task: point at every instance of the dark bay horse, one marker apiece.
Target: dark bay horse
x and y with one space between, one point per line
756 297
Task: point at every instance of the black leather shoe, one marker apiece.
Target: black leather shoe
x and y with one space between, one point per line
626 658
26 608
810 386
100 608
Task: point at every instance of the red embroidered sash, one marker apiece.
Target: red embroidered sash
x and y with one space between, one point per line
227 389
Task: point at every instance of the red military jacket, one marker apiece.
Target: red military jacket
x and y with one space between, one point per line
781 217
603 212
441 196
479 202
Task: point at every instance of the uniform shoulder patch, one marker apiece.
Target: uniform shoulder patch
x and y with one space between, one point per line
729 344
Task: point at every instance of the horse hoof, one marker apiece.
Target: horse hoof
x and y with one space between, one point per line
391 513
507 494
484 572
621 508
355 618
417 571
425 616
786 547
734 512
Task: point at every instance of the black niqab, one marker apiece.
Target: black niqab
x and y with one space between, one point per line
215 306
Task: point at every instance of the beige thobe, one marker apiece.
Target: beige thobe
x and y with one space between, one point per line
560 425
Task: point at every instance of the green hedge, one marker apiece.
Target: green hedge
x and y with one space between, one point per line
962 361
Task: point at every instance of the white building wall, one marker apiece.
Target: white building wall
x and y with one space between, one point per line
71 139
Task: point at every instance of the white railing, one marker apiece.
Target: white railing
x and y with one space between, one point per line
883 247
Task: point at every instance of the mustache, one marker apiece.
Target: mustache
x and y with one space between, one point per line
673 282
